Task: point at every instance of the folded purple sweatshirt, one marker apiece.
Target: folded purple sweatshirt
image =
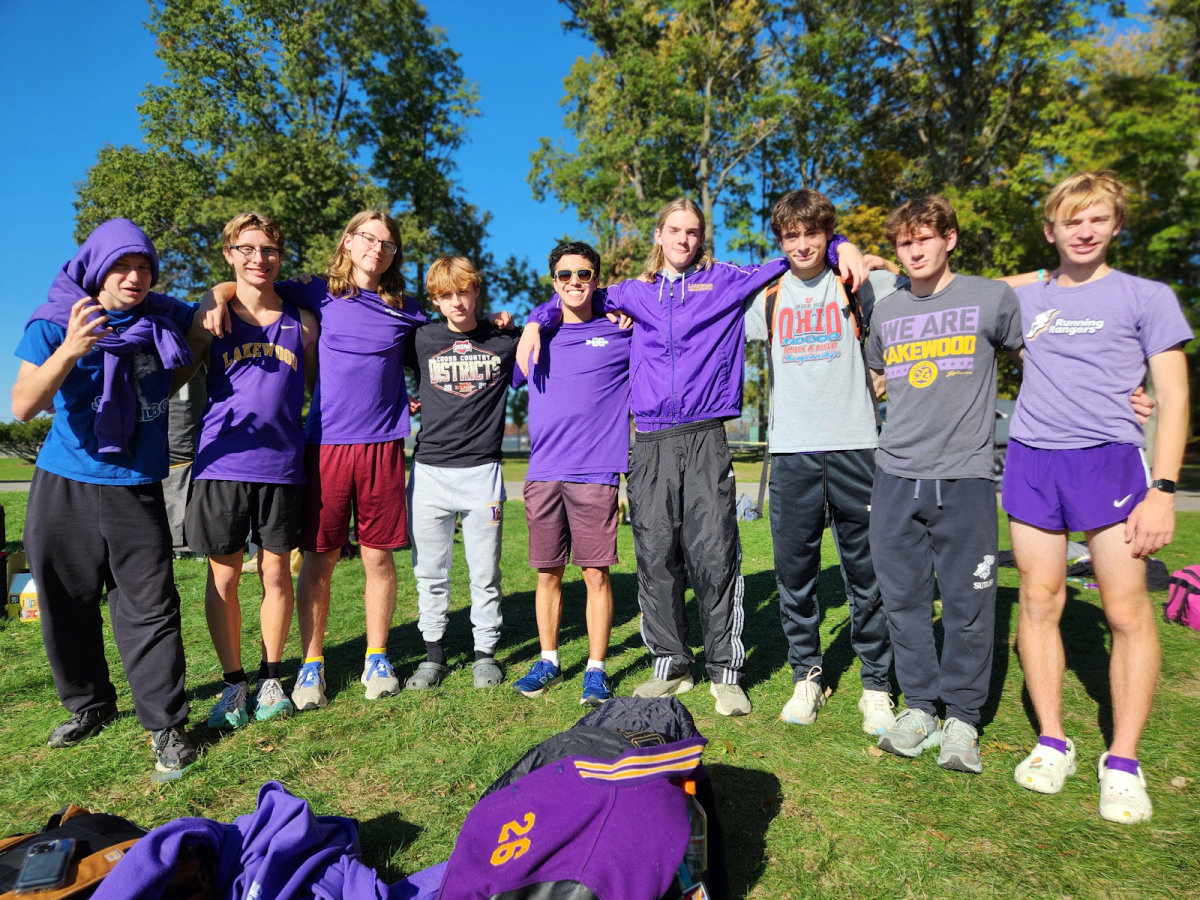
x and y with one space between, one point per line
152 326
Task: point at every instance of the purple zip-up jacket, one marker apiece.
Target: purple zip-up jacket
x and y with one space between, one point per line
686 357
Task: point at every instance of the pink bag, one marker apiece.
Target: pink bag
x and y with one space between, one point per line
1183 598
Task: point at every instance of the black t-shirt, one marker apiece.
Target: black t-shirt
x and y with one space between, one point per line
464 379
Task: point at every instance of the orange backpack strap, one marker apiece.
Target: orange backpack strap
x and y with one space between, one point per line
84 873
769 303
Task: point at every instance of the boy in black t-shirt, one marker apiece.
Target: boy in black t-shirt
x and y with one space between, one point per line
464 367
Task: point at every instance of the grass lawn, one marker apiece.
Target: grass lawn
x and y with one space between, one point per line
809 812
15 469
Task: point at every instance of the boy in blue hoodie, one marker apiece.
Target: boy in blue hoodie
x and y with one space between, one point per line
687 380
98 353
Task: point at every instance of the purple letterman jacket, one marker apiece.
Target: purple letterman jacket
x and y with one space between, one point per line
688 338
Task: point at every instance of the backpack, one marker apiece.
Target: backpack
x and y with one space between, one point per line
1183 598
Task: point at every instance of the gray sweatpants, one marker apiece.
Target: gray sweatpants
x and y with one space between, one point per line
681 506
948 527
437 496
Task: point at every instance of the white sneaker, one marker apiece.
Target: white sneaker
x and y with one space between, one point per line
807 698
1123 797
876 707
1045 770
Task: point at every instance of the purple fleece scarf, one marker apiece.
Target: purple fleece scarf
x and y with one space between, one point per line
117 414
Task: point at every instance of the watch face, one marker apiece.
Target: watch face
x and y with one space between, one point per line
1167 487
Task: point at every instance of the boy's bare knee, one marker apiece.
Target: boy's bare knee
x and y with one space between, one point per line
596 579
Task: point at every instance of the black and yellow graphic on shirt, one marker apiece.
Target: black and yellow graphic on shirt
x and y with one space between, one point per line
464 369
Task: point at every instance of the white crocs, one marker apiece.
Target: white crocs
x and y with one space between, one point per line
1123 797
1045 769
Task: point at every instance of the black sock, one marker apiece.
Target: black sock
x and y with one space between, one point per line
480 654
268 670
235 677
434 652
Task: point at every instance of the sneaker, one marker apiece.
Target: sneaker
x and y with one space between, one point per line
876 707
1123 796
309 692
542 674
659 687
914 731
807 698
960 747
597 689
1045 769
270 700
379 677
230 710
731 699
173 751
82 726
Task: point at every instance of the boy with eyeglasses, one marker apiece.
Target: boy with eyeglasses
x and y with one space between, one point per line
579 387
249 469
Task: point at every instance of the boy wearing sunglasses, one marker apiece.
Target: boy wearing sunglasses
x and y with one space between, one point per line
579 386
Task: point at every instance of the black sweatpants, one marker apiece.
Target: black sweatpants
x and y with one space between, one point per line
683 510
948 527
80 537
802 485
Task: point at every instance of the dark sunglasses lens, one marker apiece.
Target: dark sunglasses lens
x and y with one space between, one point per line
584 275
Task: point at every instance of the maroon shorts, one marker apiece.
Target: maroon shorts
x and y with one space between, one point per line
571 520
367 479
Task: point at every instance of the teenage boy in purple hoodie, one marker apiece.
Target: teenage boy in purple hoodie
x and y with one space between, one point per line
249 470
99 353
579 387
687 365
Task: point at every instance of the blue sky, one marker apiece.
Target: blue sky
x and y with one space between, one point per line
73 72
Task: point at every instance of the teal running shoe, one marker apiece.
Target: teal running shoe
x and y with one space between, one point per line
270 700
230 711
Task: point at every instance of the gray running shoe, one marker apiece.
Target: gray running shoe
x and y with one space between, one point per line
379 678
173 750
230 710
731 699
658 687
914 731
960 747
309 692
82 726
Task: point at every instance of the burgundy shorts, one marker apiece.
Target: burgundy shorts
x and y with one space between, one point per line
367 479
568 520
1072 490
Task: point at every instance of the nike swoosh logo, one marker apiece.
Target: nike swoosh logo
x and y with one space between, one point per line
288 326
1122 502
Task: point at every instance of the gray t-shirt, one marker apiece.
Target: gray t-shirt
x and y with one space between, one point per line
819 390
939 355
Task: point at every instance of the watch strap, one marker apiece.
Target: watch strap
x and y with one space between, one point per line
1163 484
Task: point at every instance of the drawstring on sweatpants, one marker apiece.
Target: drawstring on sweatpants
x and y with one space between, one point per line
937 491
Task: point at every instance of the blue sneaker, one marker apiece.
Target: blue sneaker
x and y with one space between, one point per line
379 678
596 688
271 701
542 675
309 692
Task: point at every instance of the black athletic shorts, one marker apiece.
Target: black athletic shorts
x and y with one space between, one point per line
221 514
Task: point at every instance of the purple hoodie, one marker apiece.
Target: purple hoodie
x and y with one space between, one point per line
687 350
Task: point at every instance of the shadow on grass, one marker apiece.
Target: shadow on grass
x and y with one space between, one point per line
1084 631
382 839
747 802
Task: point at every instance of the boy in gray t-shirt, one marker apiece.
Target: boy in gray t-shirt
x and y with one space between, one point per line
933 349
822 442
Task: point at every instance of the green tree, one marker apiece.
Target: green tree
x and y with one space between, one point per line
24 439
305 111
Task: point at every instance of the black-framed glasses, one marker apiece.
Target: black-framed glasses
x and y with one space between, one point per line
268 253
370 240
584 275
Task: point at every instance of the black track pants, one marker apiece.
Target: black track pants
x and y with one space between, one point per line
948 527
78 537
682 507
802 484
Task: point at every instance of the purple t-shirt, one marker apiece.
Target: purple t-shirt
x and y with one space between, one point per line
250 430
360 396
579 404
1085 353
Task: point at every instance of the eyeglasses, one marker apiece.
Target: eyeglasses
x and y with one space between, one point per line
370 240
268 253
584 275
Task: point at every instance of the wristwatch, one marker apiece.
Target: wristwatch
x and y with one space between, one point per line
1164 485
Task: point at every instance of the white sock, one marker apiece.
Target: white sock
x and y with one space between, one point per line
597 664
551 656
